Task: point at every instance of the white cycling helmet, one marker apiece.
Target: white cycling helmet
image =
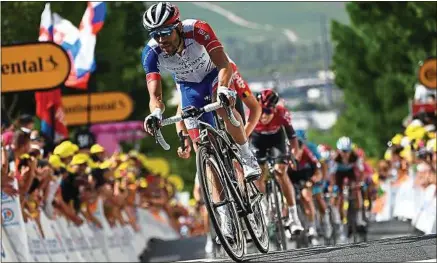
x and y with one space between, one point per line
162 13
344 144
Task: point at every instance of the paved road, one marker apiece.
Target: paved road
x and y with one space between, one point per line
402 249
388 242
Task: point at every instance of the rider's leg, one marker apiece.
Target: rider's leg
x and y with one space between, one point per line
321 204
288 190
256 143
358 196
323 209
340 200
337 200
251 168
318 190
310 210
285 183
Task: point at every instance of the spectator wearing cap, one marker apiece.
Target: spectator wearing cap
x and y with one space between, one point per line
84 185
70 184
35 138
54 200
26 122
97 154
65 151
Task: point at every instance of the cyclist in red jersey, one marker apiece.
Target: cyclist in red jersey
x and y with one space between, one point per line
307 169
272 133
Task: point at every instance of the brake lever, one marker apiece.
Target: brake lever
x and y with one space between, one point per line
182 140
155 127
224 100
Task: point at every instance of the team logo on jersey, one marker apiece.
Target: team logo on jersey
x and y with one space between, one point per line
204 34
8 215
239 80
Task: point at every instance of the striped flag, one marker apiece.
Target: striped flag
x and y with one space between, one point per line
80 43
49 103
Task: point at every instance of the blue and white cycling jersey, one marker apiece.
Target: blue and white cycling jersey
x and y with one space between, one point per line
194 64
193 71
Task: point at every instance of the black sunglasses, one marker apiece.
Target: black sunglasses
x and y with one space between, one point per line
267 110
162 32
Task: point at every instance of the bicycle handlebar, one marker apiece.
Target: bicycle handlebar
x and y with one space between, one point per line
194 113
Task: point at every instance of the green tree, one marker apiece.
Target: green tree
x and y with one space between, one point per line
118 58
375 63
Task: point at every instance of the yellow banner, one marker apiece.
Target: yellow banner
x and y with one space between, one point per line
33 66
105 107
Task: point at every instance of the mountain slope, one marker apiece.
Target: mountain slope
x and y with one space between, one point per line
270 19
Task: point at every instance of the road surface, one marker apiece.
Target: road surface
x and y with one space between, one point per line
392 241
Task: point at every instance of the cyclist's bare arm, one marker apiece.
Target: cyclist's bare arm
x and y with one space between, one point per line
180 126
255 113
221 61
294 144
290 132
155 92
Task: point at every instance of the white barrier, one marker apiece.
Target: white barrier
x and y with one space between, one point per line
14 226
408 201
65 242
7 252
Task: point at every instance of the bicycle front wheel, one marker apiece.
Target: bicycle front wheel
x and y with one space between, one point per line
220 205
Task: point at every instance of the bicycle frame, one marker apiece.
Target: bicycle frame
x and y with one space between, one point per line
222 144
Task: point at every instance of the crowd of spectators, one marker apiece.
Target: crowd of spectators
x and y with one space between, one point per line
62 180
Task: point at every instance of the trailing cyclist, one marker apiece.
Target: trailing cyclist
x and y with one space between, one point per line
308 169
347 165
271 134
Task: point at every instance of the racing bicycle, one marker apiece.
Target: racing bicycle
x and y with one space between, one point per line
275 206
219 165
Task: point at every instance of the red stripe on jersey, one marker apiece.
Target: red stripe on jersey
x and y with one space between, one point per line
194 134
204 35
153 76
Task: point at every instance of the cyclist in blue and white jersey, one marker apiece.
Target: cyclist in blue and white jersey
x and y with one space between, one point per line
195 57
190 50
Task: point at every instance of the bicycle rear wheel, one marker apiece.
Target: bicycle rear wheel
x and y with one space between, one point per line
333 240
210 175
275 210
259 232
352 220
